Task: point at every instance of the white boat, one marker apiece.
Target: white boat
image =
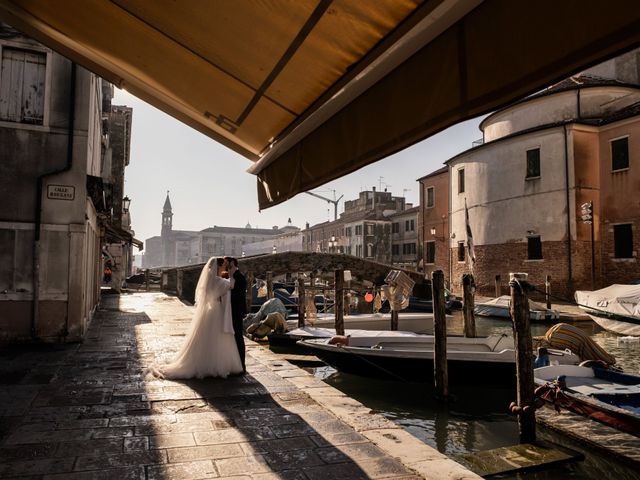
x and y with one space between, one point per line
499 307
615 308
409 322
482 359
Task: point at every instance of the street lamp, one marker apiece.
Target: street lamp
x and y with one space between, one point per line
433 233
126 201
275 250
333 243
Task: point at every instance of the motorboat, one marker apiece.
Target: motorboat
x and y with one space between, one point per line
322 325
608 396
407 321
482 359
499 307
615 308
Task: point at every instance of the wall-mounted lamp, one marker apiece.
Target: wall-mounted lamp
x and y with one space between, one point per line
126 201
531 232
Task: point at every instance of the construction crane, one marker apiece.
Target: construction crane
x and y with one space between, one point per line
334 201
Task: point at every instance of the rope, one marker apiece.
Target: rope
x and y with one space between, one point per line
501 337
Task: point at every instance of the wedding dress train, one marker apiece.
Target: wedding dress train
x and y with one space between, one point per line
209 349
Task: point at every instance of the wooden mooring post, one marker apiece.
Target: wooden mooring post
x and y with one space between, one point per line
301 300
394 319
469 320
338 306
547 290
524 356
440 371
498 285
146 279
269 285
249 293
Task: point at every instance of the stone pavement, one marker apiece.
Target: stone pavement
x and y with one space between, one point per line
85 411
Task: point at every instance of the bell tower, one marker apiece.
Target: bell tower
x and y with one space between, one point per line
167 217
166 234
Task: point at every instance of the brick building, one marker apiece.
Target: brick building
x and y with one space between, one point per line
434 222
542 158
364 229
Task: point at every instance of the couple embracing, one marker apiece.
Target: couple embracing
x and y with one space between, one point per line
214 345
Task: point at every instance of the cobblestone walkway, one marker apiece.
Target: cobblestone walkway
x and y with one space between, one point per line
84 411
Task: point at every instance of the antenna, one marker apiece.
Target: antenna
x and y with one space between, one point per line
405 190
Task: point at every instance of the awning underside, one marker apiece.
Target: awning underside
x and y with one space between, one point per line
318 89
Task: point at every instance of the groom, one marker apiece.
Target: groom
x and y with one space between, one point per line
238 306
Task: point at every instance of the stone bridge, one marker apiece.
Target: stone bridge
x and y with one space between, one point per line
183 280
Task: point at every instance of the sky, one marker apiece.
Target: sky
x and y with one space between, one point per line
208 184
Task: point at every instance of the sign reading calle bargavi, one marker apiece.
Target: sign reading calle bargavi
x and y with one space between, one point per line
61 192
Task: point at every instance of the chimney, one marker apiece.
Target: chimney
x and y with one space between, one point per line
373 201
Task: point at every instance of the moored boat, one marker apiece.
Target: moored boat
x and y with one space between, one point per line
615 308
607 396
482 359
407 321
499 307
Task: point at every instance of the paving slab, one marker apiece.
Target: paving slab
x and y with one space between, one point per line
88 411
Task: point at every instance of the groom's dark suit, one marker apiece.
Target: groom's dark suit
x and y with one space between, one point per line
238 311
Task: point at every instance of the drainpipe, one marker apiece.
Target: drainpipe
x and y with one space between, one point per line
578 108
566 186
35 310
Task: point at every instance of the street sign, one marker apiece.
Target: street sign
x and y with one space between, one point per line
61 192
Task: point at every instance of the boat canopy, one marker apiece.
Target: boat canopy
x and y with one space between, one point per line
615 299
312 90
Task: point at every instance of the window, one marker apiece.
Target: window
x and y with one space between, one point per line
408 248
409 225
358 250
534 248
623 241
22 79
369 250
395 227
430 197
461 180
395 249
461 251
533 163
358 229
620 154
430 252
348 231
369 229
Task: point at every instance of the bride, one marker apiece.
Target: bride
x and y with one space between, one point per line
209 349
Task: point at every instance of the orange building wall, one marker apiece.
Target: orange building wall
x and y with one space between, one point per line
438 217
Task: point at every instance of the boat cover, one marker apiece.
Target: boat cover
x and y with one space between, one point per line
563 335
617 299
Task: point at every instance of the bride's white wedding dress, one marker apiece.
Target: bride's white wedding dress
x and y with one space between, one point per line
209 349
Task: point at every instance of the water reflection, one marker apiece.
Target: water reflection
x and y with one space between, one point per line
478 420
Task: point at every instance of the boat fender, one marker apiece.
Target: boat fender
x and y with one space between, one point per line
339 340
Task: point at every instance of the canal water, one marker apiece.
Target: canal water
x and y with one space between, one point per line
478 420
